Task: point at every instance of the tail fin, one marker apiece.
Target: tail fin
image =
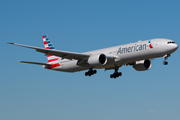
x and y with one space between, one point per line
48 45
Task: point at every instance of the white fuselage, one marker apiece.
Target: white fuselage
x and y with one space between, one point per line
124 54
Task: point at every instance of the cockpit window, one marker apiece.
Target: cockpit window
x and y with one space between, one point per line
171 42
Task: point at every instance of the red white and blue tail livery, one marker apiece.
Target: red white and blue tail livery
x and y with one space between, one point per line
137 54
52 59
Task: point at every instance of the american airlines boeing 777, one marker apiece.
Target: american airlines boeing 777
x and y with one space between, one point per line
136 54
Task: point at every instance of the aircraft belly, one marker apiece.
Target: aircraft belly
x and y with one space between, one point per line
72 66
140 55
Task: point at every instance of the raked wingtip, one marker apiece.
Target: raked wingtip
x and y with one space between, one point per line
9 43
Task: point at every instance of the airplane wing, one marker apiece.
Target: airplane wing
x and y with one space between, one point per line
59 53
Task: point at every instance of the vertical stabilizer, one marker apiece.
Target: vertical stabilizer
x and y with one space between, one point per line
54 60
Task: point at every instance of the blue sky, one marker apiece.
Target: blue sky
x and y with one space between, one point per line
30 92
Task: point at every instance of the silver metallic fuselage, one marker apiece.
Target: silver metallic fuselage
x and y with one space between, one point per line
124 54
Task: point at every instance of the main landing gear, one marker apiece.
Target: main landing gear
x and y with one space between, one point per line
165 58
116 74
90 72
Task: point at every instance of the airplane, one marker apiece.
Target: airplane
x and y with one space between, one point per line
138 55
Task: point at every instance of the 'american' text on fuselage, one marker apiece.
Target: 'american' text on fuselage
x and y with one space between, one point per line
131 49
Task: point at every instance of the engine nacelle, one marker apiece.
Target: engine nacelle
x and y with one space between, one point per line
97 59
142 65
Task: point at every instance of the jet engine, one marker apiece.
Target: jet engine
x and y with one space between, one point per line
142 65
97 59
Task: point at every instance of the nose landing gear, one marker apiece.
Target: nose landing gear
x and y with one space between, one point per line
165 62
165 58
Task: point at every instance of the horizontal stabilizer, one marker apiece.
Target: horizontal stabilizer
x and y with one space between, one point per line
37 63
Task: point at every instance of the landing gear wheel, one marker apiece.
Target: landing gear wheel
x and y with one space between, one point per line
90 72
94 71
86 73
111 76
165 63
115 75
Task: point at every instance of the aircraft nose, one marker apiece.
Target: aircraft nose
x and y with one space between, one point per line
172 47
176 46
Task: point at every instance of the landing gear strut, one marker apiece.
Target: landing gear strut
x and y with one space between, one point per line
90 72
165 58
116 74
